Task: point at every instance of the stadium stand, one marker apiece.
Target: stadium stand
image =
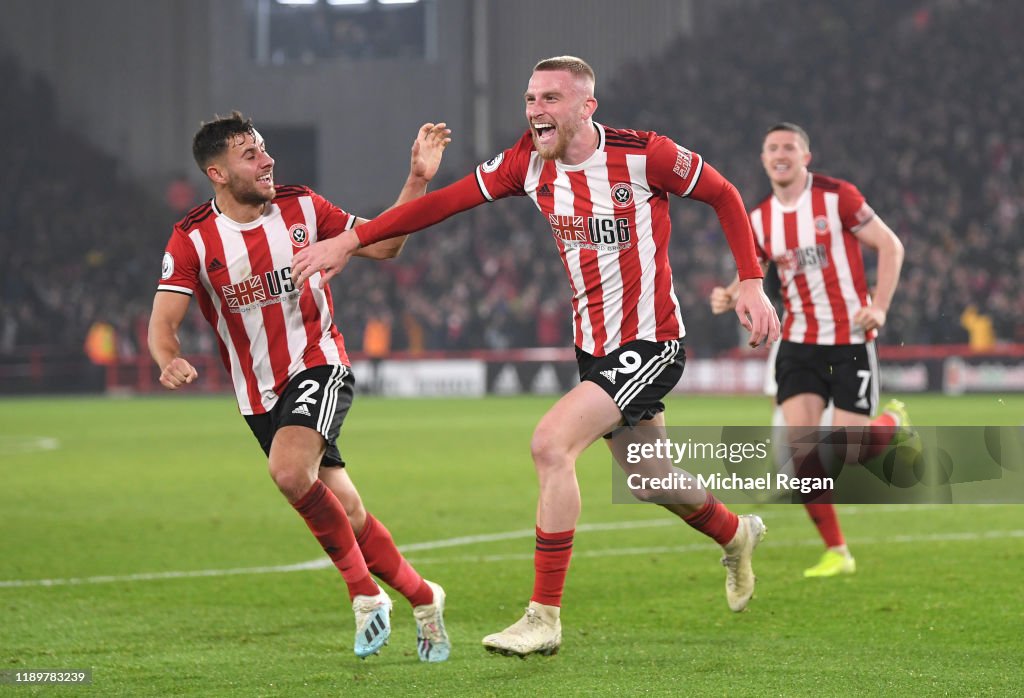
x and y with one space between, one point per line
925 129
903 99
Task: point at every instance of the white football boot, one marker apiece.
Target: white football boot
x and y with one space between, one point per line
739 577
373 623
539 631
432 643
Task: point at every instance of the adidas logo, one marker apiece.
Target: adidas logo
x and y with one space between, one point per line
215 265
610 375
374 629
544 190
303 410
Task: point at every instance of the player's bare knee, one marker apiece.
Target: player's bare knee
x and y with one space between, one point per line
548 451
293 482
648 495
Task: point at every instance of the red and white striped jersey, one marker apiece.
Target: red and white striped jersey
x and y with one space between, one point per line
815 248
610 220
240 273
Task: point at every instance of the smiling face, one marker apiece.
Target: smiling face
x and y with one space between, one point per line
558 104
785 156
249 169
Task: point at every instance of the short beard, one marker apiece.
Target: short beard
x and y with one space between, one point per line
561 146
248 195
253 198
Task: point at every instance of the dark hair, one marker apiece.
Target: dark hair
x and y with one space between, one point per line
577 66
792 128
211 140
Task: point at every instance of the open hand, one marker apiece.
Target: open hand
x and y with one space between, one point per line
427 149
327 256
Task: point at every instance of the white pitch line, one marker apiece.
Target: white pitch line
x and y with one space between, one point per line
150 576
12 445
703 547
323 562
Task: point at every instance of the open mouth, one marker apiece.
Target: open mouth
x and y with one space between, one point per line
267 179
545 132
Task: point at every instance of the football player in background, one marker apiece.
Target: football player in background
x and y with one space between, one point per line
813 227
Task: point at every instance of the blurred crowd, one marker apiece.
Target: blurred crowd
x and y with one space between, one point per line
917 103
77 238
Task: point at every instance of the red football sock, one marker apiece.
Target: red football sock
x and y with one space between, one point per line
827 523
384 560
327 520
879 435
713 519
550 565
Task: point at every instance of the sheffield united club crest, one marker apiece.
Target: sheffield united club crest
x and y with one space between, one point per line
299 235
622 195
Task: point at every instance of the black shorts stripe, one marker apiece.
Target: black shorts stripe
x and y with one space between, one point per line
647 374
875 375
644 377
321 408
330 401
636 376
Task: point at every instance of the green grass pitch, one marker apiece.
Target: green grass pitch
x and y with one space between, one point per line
119 495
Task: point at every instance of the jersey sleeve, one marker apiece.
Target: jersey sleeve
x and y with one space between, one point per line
501 176
854 210
505 173
331 220
671 167
179 272
755 225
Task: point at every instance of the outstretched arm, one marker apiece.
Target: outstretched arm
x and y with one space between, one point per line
753 308
427 149
330 256
168 311
876 234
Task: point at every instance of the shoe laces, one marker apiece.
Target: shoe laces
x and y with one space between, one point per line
731 561
366 606
533 617
524 624
427 620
